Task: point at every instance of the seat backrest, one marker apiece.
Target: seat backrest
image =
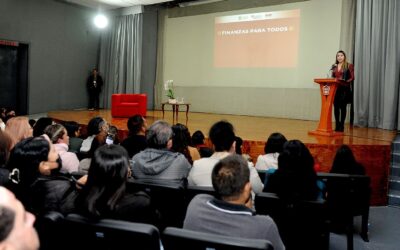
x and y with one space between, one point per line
180 239
261 174
347 195
192 191
291 217
81 233
47 227
168 199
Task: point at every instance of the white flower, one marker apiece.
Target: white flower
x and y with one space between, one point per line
169 88
166 85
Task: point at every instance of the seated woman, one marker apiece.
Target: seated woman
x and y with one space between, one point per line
238 149
5 148
34 165
295 177
273 146
136 140
345 163
95 126
198 142
112 136
105 196
181 143
18 128
59 137
99 140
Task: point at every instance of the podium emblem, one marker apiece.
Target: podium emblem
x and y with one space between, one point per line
326 89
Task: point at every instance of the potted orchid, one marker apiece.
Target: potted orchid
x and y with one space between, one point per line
169 88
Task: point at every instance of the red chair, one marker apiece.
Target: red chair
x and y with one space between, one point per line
127 105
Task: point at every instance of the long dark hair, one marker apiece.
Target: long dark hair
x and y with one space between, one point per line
106 183
26 156
296 177
181 141
345 162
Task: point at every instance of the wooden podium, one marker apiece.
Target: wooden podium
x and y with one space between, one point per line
328 88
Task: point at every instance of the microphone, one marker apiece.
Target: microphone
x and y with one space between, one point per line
330 73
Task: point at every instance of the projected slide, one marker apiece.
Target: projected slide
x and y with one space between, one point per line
267 39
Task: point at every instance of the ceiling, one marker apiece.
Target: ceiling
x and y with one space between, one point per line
114 4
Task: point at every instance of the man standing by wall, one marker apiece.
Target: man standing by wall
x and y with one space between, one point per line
94 85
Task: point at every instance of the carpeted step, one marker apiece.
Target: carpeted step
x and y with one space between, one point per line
394 198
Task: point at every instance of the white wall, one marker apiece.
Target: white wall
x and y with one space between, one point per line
288 93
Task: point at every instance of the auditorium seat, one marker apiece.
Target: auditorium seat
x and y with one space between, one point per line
127 105
79 232
292 216
47 227
182 239
192 191
167 198
347 196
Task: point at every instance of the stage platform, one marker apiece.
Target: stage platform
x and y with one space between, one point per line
371 147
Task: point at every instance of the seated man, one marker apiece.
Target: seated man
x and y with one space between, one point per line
232 214
223 137
156 164
16 225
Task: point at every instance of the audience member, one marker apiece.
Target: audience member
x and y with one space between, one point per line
105 196
232 214
35 164
2 119
73 130
40 126
181 143
198 142
345 163
59 137
2 125
32 122
157 164
112 136
295 177
238 150
222 135
5 148
136 140
18 128
94 127
273 147
16 224
10 113
3 113
98 141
